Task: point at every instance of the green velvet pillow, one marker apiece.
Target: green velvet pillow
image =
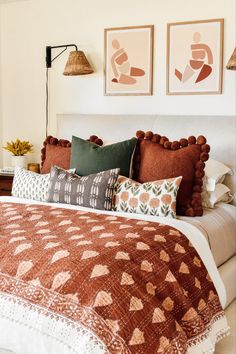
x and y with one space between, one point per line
88 158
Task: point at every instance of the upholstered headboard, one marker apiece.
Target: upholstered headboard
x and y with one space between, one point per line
220 131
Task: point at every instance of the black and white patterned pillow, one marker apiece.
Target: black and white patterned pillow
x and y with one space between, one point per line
30 185
94 191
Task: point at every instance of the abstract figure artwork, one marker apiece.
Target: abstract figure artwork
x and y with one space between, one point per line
197 63
194 58
123 71
128 60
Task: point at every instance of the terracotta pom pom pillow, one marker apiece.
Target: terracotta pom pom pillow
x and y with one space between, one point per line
58 152
152 198
158 158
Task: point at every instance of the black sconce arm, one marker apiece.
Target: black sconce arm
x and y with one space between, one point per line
49 59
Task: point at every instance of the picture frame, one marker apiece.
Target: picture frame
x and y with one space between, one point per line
128 64
194 57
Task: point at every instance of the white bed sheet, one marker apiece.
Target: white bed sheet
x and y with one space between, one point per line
36 345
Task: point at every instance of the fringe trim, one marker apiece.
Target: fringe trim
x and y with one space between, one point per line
219 334
222 334
67 334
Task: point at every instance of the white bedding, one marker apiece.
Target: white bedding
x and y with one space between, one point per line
36 343
219 227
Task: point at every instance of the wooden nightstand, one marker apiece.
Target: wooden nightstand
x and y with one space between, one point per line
6 184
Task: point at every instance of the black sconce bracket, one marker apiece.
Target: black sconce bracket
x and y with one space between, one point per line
49 59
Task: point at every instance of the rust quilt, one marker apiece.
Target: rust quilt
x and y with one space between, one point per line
136 286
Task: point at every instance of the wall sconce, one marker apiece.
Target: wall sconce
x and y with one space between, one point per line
231 65
77 64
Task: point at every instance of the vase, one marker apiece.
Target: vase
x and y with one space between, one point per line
18 161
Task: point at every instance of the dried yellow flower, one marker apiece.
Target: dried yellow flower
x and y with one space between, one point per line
18 147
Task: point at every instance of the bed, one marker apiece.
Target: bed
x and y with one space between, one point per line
222 149
55 328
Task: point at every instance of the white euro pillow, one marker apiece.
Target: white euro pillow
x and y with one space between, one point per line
215 172
220 194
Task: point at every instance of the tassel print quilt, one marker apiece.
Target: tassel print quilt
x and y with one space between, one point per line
104 283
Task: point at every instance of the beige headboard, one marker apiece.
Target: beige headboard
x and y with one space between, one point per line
220 131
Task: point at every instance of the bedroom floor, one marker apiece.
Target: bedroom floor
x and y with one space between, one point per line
226 346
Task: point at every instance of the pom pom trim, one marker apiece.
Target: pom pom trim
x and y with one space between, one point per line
195 207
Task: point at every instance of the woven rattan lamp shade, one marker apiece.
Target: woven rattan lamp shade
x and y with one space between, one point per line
77 64
231 65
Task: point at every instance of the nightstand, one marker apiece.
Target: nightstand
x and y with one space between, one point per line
6 184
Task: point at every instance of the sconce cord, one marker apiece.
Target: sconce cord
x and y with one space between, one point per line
48 65
46 102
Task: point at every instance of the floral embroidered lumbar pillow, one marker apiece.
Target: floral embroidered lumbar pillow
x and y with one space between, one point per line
156 198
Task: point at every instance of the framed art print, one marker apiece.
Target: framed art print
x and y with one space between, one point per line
128 60
194 57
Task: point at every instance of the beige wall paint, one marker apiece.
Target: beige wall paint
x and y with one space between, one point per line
8 1
27 27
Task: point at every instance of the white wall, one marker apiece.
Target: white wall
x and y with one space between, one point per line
29 26
0 97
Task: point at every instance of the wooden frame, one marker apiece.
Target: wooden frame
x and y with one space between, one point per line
184 79
128 62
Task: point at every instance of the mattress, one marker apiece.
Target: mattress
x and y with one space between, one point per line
228 275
